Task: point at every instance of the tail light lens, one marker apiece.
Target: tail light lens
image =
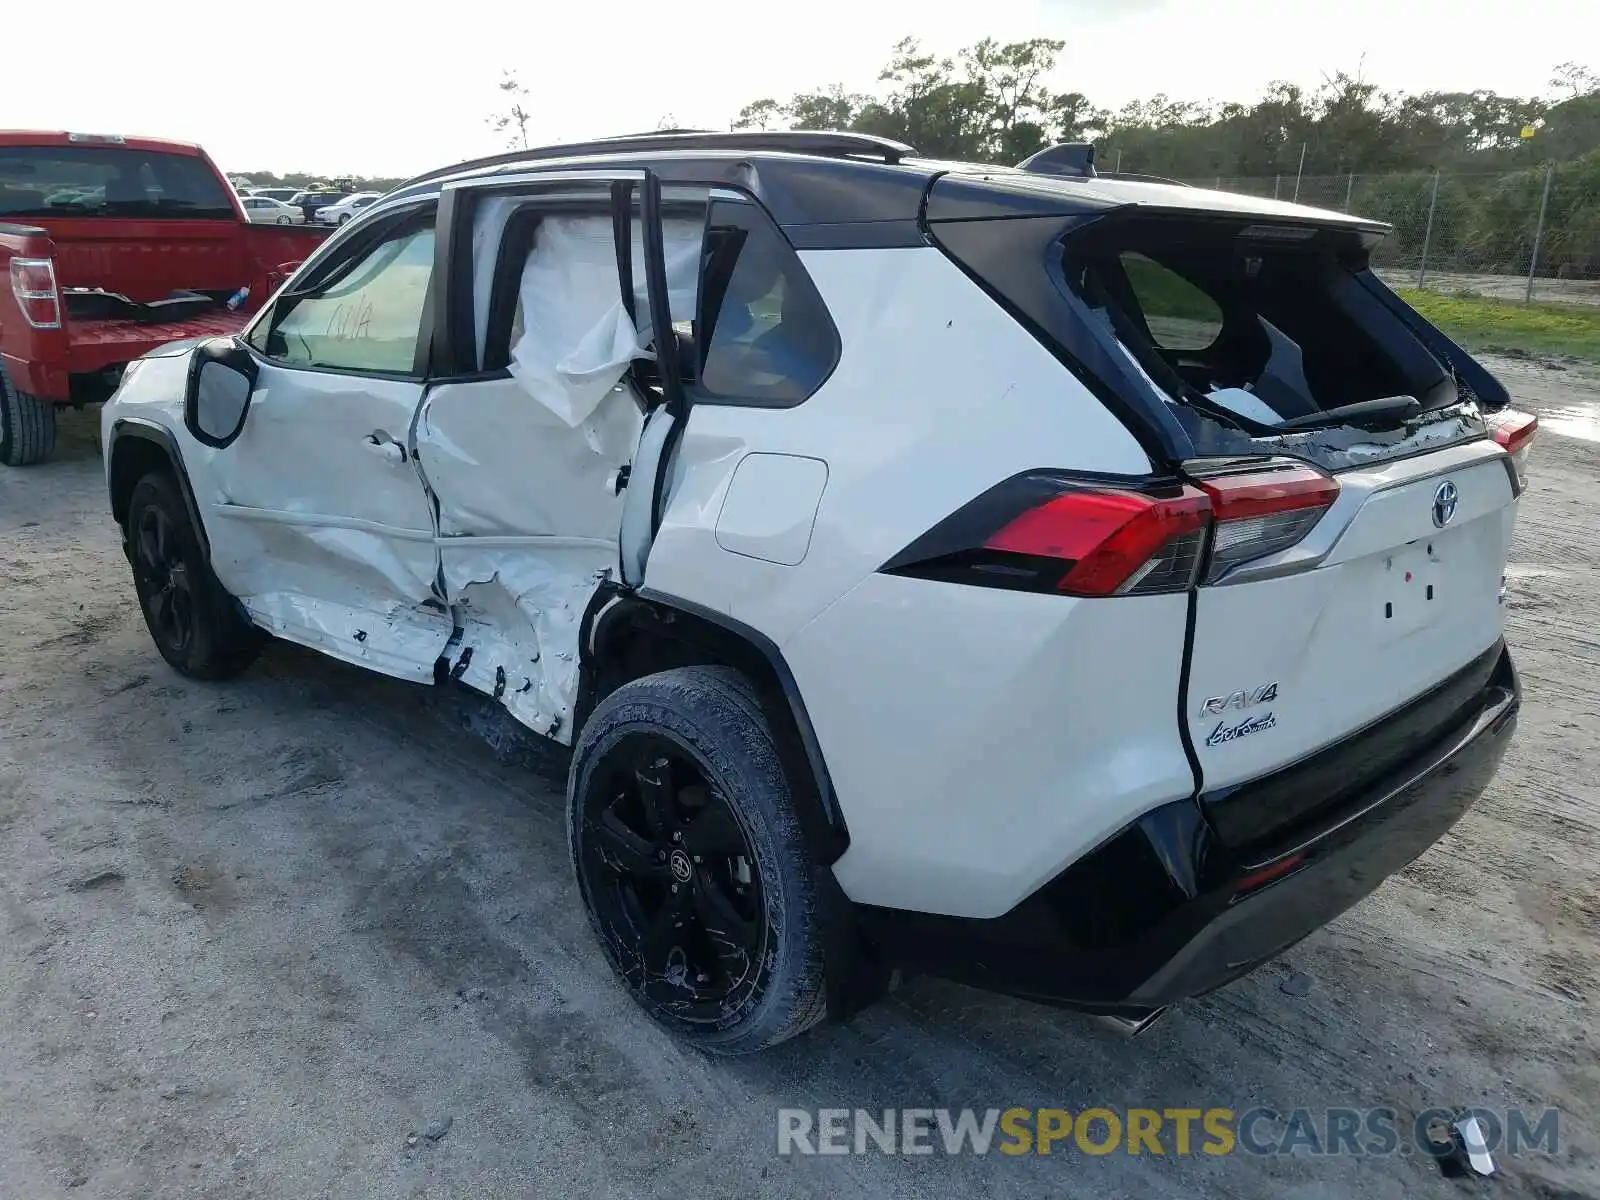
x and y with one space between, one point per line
33 283
1050 533
1514 431
1109 543
1260 512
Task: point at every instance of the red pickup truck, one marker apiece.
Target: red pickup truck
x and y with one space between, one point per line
113 246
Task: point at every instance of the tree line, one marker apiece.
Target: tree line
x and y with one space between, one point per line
993 102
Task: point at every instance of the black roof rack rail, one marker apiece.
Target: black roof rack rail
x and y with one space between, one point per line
828 143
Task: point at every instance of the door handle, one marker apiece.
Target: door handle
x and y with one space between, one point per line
381 444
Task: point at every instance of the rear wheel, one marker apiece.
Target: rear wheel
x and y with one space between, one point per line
27 426
194 623
691 863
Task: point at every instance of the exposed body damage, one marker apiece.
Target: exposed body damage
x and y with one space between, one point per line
398 641
508 474
1344 447
519 621
479 517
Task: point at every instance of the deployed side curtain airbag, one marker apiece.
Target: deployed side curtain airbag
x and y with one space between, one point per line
577 340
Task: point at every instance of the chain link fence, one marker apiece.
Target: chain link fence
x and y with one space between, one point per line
1522 235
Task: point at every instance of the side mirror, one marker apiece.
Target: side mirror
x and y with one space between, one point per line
221 377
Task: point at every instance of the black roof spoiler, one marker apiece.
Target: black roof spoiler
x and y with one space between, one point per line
1075 159
827 143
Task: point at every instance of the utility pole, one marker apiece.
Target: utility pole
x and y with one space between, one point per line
1538 233
1427 236
1301 170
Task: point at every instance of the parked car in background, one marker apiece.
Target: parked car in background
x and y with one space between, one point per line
109 247
285 194
309 202
1168 624
353 206
264 210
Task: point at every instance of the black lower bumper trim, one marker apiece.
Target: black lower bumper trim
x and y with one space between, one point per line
1168 910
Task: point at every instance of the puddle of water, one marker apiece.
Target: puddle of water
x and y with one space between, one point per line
1575 420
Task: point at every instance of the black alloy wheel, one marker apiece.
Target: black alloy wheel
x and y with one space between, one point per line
673 881
165 584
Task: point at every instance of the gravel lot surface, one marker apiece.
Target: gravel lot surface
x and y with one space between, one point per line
301 936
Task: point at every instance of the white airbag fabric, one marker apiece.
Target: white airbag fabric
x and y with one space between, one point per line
577 340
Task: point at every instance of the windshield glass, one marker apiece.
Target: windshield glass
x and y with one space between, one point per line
108 181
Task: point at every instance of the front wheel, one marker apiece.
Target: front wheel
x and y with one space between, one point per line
343 217
691 863
194 623
27 426
284 221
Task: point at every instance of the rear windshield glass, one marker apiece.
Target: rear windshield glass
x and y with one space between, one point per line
107 181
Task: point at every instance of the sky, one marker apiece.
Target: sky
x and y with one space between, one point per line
394 89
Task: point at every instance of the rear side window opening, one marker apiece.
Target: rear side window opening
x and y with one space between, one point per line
108 181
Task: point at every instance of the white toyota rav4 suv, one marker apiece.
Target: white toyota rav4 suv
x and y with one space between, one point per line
1078 587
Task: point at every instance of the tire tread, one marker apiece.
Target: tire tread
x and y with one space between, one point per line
27 426
716 711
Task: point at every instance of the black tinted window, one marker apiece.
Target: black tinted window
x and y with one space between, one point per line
766 336
114 181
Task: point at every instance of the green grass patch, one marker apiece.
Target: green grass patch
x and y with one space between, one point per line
1538 328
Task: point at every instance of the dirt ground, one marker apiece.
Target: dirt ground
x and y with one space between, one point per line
1496 287
256 938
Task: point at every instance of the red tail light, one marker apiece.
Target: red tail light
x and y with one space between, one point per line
1051 533
1113 542
1262 512
1514 432
33 283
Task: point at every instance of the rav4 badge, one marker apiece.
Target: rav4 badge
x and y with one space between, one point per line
1237 701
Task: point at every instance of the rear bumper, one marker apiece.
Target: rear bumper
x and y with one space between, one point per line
1166 910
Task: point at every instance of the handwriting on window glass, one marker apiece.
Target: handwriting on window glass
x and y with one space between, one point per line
350 321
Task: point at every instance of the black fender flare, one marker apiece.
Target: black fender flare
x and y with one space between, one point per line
615 608
125 429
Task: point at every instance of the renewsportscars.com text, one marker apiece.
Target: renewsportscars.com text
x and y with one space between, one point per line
1374 1132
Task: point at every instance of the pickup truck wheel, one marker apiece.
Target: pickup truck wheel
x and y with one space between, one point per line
27 426
195 624
691 863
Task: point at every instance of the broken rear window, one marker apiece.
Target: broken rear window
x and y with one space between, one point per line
1214 333
1269 326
